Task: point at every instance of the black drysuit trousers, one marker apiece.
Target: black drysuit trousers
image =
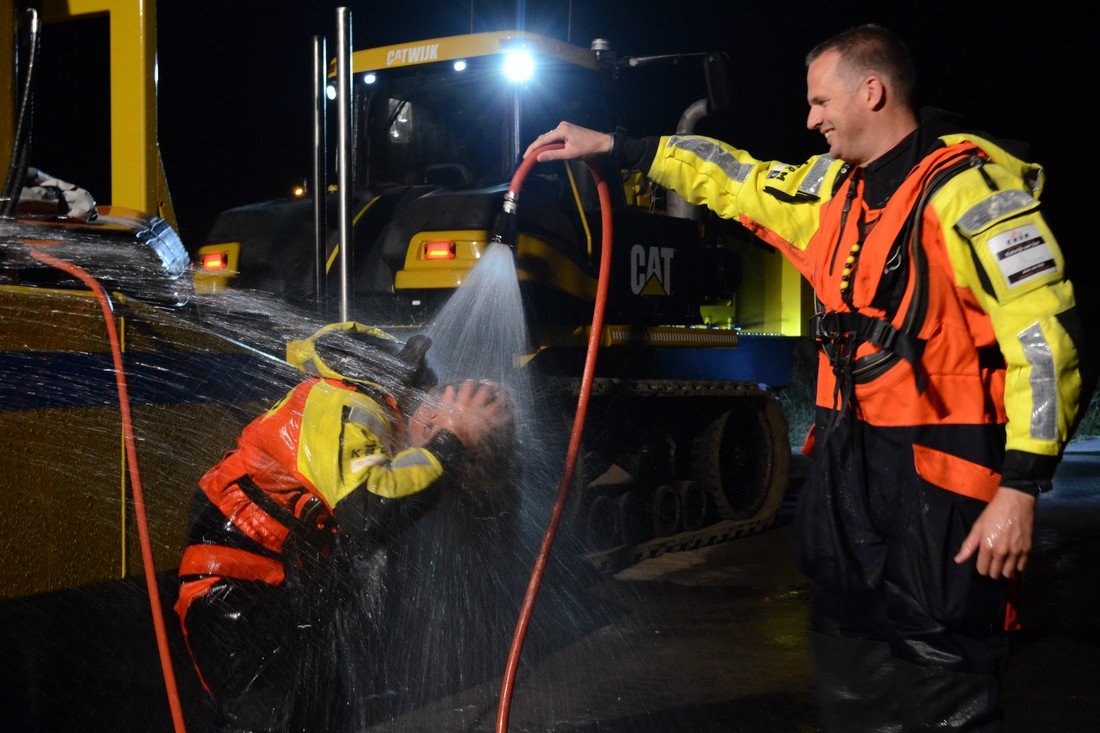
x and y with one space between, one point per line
904 639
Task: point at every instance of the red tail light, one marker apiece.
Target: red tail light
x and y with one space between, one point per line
215 261
439 250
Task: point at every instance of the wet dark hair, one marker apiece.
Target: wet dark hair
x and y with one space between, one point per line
872 47
488 482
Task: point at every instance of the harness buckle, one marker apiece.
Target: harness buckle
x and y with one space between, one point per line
882 334
826 327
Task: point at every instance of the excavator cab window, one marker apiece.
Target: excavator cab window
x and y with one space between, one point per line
578 95
434 124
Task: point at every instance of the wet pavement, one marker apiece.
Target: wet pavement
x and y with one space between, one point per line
708 640
715 639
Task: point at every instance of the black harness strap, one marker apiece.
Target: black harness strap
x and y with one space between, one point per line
831 328
304 527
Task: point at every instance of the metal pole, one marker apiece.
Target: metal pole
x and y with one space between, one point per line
517 149
320 170
343 149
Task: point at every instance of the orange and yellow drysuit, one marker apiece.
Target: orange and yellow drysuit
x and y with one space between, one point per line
990 276
949 367
316 463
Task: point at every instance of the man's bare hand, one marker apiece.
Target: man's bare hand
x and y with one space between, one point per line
580 142
473 410
1002 535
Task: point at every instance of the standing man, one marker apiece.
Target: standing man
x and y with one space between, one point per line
949 376
316 479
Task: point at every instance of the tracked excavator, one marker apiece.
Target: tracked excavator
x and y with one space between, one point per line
686 443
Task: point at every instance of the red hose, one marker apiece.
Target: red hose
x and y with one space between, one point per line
508 684
135 478
527 164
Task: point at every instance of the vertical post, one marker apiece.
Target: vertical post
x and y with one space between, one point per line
515 141
517 148
320 170
343 148
9 83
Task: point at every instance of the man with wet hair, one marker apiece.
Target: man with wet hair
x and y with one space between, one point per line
311 484
950 374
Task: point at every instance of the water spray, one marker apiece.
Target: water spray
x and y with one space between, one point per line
504 232
135 476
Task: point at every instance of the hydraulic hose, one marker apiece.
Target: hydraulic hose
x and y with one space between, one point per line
511 198
17 170
135 477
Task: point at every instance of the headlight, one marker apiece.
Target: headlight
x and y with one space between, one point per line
519 65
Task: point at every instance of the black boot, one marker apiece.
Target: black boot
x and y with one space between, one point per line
855 684
936 699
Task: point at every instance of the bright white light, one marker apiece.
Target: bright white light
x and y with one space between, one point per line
460 65
370 77
330 92
519 65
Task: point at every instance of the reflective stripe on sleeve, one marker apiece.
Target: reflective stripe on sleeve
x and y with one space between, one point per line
988 210
712 153
368 419
1044 389
412 459
811 184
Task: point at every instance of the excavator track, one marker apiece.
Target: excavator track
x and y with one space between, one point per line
732 443
618 558
604 386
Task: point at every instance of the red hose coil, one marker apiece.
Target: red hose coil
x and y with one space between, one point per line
508 683
135 478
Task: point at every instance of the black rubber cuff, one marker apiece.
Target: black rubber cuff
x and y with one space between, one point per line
1023 466
633 153
1034 487
446 446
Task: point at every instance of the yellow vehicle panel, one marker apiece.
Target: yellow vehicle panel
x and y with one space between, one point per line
68 519
469 46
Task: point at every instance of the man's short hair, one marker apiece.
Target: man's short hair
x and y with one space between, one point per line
872 48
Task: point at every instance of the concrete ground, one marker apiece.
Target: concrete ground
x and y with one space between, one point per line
708 640
715 639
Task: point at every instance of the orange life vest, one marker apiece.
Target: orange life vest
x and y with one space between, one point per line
902 344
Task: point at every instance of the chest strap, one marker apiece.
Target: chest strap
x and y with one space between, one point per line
304 528
839 333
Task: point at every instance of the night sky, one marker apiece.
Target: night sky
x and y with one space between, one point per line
234 79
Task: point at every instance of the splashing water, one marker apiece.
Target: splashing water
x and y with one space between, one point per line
427 614
481 331
455 578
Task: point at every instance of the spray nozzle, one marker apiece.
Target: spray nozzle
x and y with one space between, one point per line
505 226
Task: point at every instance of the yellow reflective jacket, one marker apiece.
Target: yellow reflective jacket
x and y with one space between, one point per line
998 262
321 447
325 438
